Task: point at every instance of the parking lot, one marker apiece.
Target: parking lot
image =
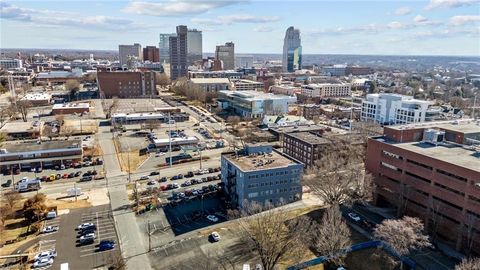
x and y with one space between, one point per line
64 241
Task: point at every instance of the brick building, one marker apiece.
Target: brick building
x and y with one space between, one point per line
151 53
431 171
305 147
127 84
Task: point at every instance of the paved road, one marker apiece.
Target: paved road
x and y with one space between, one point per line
105 140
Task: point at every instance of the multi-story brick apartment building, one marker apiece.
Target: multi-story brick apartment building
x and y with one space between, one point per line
260 174
432 170
127 84
305 147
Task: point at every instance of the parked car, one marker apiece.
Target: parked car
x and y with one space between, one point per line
85 225
144 177
151 183
49 229
65 175
43 262
106 245
163 187
87 236
354 216
189 174
212 218
215 236
71 175
45 255
154 173
78 173
174 185
7 183
86 178
163 179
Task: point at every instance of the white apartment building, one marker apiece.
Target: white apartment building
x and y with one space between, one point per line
247 85
10 63
325 90
393 109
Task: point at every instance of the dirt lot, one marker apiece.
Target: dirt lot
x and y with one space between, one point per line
78 126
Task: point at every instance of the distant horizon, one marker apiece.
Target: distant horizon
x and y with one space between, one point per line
348 27
246 54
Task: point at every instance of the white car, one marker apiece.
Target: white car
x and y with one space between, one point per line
159 154
49 229
215 236
45 255
84 225
87 236
212 218
43 262
354 216
145 177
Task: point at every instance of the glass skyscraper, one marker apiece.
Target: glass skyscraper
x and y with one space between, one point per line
292 50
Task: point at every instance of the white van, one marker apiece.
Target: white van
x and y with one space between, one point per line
51 215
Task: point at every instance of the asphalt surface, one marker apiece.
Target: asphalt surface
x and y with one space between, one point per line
64 241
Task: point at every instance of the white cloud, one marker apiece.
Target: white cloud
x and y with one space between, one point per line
49 18
232 19
177 8
462 20
396 25
450 3
263 28
419 19
402 11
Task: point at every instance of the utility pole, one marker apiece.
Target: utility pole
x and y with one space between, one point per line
75 190
170 139
149 236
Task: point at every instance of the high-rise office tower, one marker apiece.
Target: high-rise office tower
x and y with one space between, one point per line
194 46
150 53
226 54
292 50
164 47
129 52
178 53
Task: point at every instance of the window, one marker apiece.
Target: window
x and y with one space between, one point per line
252 195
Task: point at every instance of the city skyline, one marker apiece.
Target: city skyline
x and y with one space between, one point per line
436 27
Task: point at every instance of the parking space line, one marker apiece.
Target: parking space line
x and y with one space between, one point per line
98 252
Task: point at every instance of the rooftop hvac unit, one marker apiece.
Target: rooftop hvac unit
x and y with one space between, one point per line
433 136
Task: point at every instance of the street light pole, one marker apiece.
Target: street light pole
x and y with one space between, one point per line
149 236
170 139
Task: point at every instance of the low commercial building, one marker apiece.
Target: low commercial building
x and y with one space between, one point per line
211 85
71 108
127 84
326 90
137 118
272 121
312 111
431 170
37 99
261 174
22 130
389 108
247 85
254 104
181 141
59 76
39 155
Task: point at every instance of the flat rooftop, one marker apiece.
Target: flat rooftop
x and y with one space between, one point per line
256 95
45 145
84 105
258 162
309 138
20 127
450 153
462 126
210 80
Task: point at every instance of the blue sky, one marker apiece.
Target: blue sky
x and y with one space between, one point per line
433 27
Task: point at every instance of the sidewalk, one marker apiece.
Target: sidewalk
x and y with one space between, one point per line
133 247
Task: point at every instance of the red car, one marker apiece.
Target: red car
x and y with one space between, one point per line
65 176
163 187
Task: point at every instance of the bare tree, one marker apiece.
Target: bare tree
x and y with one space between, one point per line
11 197
468 232
117 262
233 120
111 107
339 175
162 79
332 236
72 86
272 234
402 235
469 264
403 198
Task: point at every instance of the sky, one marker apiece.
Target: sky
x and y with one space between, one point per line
432 27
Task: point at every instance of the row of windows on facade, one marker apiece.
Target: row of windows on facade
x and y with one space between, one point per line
272 191
134 82
271 183
261 175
